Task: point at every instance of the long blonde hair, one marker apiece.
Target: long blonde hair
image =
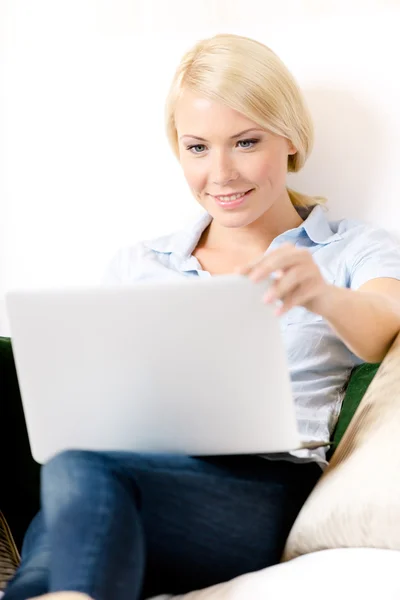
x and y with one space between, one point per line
250 78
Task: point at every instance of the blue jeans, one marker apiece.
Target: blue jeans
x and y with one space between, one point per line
126 526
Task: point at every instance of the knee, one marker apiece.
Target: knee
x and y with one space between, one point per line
73 475
69 466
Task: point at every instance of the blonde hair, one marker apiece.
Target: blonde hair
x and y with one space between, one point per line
250 78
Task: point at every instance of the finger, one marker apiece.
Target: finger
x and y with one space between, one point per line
246 269
288 282
298 297
282 261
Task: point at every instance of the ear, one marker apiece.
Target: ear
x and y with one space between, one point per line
291 149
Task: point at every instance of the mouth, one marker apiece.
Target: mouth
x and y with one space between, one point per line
232 200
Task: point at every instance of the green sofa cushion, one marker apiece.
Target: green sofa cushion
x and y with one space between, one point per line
358 384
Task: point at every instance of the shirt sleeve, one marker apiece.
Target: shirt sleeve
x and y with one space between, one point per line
374 254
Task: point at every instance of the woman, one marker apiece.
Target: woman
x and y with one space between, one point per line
128 526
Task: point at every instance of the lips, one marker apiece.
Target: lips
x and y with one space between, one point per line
233 200
229 197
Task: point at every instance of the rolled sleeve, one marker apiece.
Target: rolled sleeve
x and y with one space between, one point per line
374 254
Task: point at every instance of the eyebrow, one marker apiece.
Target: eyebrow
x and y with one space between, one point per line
196 137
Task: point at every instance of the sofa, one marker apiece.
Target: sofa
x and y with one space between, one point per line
19 498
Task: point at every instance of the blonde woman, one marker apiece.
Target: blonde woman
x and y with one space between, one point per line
129 526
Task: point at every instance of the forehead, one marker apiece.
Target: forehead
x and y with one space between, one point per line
200 116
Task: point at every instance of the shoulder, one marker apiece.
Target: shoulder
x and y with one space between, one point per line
349 228
180 242
128 264
357 236
137 261
368 252
129 254
123 262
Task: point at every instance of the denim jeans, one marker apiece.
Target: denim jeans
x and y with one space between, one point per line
125 526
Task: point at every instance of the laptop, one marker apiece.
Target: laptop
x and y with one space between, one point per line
192 366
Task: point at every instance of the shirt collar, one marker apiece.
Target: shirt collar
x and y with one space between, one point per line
182 242
315 225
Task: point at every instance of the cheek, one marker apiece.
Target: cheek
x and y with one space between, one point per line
269 169
194 174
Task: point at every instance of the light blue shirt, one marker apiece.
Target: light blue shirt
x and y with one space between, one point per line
348 253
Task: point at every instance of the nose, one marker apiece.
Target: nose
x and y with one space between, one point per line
223 169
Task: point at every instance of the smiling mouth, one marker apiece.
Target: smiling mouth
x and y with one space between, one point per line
231 197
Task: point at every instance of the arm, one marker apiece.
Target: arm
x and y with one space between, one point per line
367 320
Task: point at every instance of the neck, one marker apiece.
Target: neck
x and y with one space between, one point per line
257 236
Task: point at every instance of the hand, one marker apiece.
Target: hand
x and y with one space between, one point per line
297 280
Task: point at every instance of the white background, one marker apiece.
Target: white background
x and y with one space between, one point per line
84 163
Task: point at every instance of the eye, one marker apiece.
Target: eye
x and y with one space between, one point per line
196 148
245 144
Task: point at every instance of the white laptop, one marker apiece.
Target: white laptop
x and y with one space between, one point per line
193 366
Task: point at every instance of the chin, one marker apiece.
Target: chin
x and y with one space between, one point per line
235 219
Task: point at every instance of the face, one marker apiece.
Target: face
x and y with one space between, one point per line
235 169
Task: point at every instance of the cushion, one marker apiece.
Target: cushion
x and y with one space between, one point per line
356 503
358 384
365 573
9 557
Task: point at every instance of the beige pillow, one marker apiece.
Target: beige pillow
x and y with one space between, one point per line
368 574
356 503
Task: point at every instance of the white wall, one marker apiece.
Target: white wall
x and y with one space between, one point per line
84 163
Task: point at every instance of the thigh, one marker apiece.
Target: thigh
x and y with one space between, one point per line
207 520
